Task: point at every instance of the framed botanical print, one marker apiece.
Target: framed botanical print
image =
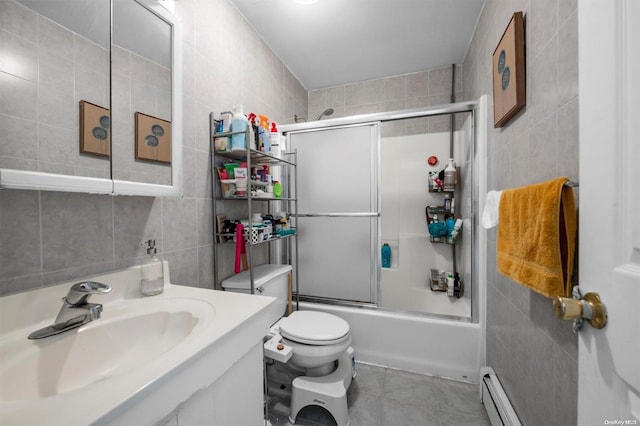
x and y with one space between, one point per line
509 85
95 130
153 139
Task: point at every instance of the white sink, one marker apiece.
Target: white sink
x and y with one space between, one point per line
136 364
125 337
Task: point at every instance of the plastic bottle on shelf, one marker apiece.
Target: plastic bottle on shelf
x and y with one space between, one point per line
275 140
386 256
239 123
240 174
450 284
450 176
266 142
253 137
277 189
447 203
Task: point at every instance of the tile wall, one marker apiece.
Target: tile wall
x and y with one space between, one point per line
48 237
533 353
406 91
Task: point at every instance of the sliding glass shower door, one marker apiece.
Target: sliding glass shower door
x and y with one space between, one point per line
338 212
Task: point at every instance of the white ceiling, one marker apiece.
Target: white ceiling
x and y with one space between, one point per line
333 42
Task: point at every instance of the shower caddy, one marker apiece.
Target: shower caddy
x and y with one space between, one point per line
438 279
286 203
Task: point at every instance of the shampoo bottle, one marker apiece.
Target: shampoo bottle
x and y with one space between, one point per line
239 123
151 273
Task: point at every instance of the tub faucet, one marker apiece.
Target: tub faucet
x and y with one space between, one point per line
76 310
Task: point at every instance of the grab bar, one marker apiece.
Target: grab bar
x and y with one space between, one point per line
364 214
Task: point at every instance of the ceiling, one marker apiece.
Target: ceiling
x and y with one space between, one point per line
334 42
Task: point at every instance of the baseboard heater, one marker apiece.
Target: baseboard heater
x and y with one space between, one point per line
495 400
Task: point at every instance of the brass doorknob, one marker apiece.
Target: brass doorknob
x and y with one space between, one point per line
590 308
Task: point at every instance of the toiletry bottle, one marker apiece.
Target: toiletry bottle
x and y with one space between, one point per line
266 136
450 176
239 123
277 189
240 174
454 233
447 203
254 132
450 284
457 286
386 256
275 140
151 273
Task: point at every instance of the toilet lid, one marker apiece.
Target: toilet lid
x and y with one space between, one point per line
314 328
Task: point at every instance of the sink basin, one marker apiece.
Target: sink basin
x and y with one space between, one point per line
139 332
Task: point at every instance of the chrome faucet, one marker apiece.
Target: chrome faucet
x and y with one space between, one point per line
76 310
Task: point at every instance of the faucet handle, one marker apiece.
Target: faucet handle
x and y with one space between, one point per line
80 292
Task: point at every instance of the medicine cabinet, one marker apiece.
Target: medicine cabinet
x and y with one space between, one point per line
114 54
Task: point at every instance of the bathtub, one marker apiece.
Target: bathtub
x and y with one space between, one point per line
427 345
423 344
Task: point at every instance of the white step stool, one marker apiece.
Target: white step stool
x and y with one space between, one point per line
328 392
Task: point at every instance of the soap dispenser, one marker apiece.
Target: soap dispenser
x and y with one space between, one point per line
151 273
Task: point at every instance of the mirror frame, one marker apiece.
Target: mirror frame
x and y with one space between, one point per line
31 180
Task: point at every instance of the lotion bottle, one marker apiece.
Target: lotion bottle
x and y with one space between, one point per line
151 272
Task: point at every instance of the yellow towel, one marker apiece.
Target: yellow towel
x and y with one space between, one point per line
537 236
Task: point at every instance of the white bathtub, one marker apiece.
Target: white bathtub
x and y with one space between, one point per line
429 345
440 347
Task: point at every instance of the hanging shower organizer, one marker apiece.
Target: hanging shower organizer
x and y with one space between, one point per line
440 221
254 235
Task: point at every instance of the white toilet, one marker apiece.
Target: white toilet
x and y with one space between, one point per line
311 350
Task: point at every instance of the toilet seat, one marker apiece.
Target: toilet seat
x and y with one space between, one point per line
314 328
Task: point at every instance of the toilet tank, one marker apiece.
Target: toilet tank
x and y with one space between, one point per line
269 280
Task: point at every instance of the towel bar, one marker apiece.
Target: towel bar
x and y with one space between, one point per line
571 184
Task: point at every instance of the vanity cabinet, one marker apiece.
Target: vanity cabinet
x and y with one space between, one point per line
256 199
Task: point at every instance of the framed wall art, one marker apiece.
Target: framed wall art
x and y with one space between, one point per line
153 139
509 86
95 130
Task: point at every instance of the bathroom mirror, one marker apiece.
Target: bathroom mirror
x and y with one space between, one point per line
64 52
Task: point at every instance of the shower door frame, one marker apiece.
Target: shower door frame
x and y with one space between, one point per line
471 107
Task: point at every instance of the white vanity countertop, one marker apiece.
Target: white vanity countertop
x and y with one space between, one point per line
236 323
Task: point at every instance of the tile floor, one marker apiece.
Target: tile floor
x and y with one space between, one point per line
384 397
